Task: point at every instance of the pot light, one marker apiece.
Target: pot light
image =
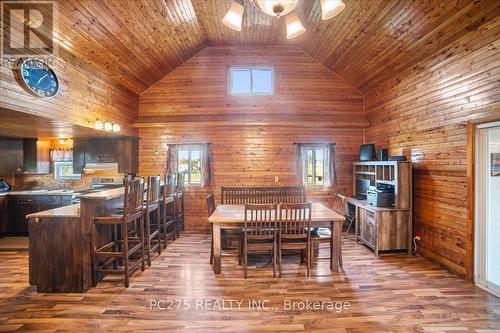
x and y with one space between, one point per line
98 125
108 126
116 128
330 8
63 141
294 27
234 16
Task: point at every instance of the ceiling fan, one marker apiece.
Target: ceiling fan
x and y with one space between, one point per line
279 8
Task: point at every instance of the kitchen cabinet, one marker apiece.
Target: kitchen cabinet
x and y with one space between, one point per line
11 156
123 151
3 214
36 156
21 205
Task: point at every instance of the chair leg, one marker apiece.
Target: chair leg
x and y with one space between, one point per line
240 253
158 228
115 245
274 259
141 225
148 238
279 258
308 261
245 259
340 254
125 254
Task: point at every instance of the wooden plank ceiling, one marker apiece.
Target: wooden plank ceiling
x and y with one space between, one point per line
139 42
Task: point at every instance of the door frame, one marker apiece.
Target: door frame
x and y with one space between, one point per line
471 192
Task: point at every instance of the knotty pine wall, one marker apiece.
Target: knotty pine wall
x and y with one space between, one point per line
85 95
250 155
423 114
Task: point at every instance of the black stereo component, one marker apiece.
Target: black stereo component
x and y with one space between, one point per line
383 154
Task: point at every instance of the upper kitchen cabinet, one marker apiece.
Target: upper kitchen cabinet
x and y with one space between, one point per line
11 155
36 156
123 151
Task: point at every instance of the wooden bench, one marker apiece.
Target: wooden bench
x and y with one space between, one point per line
262 195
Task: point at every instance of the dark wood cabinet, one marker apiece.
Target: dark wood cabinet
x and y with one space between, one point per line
123 151
21 205
36 156
3 214
11 156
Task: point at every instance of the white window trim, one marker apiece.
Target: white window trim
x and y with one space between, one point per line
250 68
325 167
57 175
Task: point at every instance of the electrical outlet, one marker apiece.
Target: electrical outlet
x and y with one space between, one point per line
417 238
276 179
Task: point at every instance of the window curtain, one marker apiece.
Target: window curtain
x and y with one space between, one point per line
301 164
206 170
331 175
171 164
61 154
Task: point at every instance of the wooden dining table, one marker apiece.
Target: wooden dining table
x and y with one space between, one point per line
233 217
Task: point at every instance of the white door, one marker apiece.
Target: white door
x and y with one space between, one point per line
487 228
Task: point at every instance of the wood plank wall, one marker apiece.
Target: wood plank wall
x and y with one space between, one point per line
422 114
86 94
250 155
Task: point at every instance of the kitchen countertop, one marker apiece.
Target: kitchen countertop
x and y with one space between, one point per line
105 194
40 192
66 211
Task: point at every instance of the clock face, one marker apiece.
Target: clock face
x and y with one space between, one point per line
38 78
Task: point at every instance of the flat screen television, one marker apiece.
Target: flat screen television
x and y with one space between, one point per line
362 186
367 152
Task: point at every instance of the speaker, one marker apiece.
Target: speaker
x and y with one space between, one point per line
383 154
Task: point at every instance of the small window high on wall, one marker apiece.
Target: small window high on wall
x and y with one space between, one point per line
250 80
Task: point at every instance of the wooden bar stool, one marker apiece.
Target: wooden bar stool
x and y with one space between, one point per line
294 230
259 233
152 225
179 202
168 218
122 248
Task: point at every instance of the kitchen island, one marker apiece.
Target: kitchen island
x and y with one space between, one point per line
60 256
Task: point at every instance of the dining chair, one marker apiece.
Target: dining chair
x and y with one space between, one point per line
225 235
123 247
324 235
294 230
179 202
259 232
152 225
168 210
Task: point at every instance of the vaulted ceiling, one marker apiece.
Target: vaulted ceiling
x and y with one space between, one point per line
139 41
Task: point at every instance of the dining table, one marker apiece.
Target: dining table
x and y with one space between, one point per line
233 217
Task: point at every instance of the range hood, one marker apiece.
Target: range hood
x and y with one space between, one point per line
101 167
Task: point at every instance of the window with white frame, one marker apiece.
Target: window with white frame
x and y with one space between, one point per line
189 162
317 166
64 170
250 80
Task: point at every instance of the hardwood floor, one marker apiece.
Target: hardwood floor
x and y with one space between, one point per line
392 293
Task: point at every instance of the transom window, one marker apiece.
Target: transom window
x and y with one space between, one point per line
251 80
189 162
316 165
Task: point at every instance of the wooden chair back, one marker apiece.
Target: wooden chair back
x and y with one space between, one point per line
339 204
133 199
169 186
153 191
180 182
295 220
262 195
210 204
260 221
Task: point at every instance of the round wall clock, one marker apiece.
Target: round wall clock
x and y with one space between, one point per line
38 78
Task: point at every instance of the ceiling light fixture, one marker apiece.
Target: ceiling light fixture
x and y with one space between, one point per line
234 16
276 7
279 8
294 27
98 125
108 126
330 8
116 128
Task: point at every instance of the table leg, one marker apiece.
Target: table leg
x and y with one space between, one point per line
335 247
217 248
